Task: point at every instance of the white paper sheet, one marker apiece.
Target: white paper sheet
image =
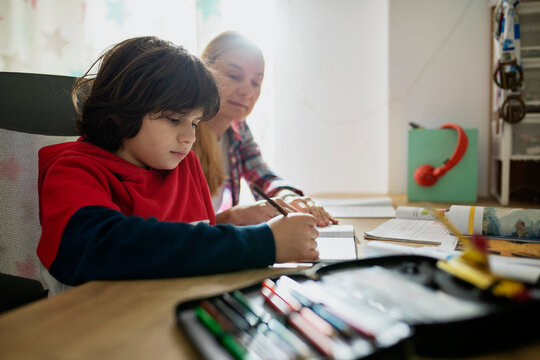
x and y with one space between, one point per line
378 207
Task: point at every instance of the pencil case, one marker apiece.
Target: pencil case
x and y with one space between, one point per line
393 307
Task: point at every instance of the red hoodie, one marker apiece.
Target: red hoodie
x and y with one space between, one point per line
122 209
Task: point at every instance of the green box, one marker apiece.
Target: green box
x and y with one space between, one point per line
433 147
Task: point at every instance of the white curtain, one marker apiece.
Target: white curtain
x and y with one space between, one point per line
65 36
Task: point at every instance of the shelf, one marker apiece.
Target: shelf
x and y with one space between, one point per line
531 62
515 148
531 118
528 7
530 52
525 158
497 157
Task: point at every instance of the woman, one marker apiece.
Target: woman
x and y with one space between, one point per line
225 145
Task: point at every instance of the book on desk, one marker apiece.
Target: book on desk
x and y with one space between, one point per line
416 224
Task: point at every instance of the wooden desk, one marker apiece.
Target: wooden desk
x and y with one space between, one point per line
134 319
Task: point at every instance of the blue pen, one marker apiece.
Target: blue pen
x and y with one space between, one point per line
341 326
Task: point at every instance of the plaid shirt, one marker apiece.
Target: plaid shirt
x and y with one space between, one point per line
246 162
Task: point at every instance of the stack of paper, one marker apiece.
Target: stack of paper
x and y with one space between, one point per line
336 242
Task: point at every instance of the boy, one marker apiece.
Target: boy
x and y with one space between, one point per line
129 199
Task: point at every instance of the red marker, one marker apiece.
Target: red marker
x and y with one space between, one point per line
294 305
321 342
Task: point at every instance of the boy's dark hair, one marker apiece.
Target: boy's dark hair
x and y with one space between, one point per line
136 77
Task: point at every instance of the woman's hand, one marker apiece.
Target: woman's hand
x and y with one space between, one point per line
255 213
306 205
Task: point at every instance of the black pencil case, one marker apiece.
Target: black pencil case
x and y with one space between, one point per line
444 316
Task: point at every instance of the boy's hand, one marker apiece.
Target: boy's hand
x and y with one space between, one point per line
295 236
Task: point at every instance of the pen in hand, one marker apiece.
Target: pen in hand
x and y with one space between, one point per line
259 191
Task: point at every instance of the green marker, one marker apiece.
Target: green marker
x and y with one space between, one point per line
302 350
227 340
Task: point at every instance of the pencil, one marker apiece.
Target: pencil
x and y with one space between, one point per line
267 198
440 216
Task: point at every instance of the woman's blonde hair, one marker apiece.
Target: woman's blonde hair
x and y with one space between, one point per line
207 145
208 151
227 41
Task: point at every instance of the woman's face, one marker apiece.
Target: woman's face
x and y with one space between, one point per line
240 75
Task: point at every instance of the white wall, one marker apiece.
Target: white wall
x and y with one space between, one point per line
350 74
439 72
331 92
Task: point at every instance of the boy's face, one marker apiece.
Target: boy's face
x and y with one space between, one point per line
163 141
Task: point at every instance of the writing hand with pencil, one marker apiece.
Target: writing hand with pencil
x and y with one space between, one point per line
294 233
294 236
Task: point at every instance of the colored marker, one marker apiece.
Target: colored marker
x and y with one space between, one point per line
261 327
367 324
265 347
319 340
302 350
252 348
226 340
294 289
294 305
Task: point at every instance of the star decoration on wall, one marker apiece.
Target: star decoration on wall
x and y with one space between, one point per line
208 8
33 3
9 169
27 268
13 62
55 42
29 212
76 72
91 51
83 11
117 11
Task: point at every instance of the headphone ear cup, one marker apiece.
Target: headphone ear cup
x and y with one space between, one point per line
425 175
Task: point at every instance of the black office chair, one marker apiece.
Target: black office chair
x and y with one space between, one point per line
35 110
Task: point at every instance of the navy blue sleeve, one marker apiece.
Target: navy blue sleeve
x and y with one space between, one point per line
100 244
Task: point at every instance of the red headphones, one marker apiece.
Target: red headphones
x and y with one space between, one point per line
427 175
